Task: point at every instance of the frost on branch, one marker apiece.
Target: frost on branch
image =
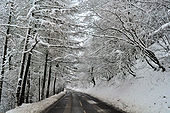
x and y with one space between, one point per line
163 27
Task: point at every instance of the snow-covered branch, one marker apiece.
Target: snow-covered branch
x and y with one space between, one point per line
33 45
110 37
164 26
31 10
22 27
59 46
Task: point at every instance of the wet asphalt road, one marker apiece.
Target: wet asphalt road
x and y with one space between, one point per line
75 102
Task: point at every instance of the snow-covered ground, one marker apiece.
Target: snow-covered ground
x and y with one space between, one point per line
37 107
149 92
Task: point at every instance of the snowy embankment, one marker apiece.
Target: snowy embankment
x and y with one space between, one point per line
149 92
37 107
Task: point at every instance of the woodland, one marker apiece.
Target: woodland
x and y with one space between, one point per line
47 45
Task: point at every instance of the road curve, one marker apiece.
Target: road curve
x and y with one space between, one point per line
75 102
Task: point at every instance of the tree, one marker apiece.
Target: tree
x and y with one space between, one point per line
49 81
5 48
28 88
54 86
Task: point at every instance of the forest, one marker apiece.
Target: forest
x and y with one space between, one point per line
49 45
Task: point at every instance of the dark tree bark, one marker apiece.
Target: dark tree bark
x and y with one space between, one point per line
5 53
22 97
28 88
94 82
54 86
93 79
130 71
9 62
44 77
150 64
39 89
152 56
49 81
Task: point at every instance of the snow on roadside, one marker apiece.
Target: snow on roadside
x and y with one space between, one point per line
37 107
147 93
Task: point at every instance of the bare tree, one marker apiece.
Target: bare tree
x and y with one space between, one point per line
44 76
5 49
19 85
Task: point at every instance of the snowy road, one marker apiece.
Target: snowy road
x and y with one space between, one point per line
75 102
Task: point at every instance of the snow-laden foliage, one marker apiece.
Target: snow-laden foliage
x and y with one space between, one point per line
122 32
36 29
48 44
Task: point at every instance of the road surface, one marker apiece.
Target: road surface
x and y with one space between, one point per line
75 102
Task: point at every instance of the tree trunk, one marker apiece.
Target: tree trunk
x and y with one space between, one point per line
22 68
44 77
152 56
93 80
4 54
28 88
54 86
39 87
22 97
9 62
49 80
150 64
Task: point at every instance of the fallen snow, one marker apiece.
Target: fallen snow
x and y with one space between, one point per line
149 92
37 107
